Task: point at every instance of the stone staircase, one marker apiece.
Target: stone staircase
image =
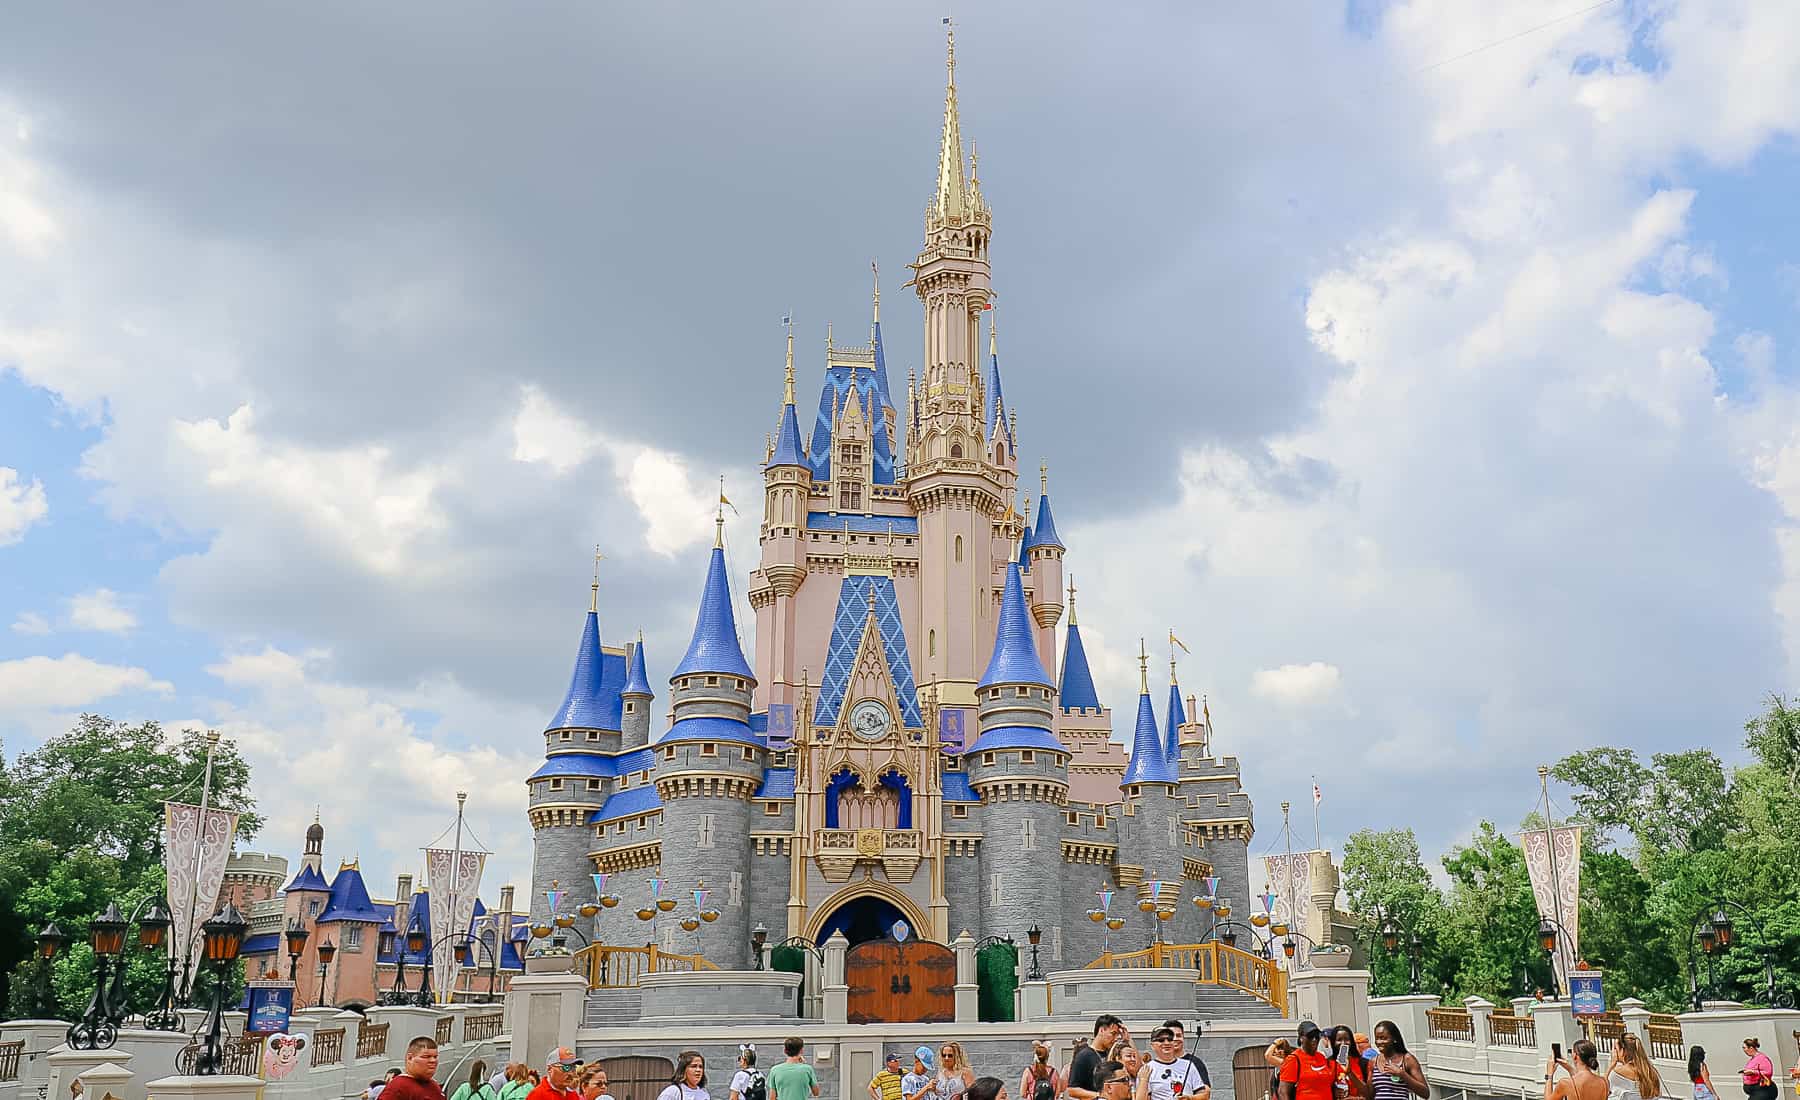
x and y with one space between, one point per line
611 1008
1222 1002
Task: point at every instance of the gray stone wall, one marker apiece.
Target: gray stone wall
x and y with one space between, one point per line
695 850
639 710
559 853
1021 855
766 892
962 888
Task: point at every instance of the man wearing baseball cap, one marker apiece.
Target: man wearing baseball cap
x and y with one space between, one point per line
559 1074
886 1085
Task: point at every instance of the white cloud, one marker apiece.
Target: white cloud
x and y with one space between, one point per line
99 610
383 769
30 622
21 505
543 432
1305 685
69 681
26 224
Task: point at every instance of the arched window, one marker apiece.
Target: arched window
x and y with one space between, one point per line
956 450
931 643
959 548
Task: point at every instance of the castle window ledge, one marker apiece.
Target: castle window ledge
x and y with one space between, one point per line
899 851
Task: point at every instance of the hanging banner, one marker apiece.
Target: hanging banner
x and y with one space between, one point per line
1587 993
1290 881
1553 858
452 898
271 1004
194 856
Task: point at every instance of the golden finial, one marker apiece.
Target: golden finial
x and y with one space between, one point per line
1143 668
719 519
1072 600
594 589
828 343
993 334
974 165
950 50
1043 479
1172 644
875 273
788 386
768 447
1012 429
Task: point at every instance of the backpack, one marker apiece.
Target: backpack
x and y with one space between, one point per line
1045 1089
758 1088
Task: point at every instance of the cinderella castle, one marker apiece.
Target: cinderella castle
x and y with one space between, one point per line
901 759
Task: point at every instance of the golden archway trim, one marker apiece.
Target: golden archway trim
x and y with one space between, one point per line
820 913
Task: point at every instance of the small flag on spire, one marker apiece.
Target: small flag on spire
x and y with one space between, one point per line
946 20
1173 640
787 318
1318 796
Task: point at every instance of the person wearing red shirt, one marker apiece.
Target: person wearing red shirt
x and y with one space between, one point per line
1307 1074
416 1083
559 1076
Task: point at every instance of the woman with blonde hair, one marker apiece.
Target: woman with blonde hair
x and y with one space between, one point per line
1631 1076
1040 1076
954 1075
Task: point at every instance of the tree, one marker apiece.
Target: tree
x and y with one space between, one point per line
80 825
1385 878
1490 929
1678 803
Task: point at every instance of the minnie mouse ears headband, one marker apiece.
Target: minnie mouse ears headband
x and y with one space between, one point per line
746 1048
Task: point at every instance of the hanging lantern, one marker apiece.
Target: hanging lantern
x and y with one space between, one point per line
107 931
1390 935
153 927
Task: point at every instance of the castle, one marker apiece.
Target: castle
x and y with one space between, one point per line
900 759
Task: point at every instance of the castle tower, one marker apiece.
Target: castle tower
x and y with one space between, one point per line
1218 811
570 786
1150 832
787 484
709 765
1019 770
638 698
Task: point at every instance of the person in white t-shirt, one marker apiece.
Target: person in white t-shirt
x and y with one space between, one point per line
746 1072
1166 1075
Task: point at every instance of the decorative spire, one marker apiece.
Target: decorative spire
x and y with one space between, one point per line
1149 763
637 682
875 274
787 391
583 706
974 176
594 591
787 450
1177 716
714 647
1143 669
1015 659
993 335
1043 479
1072 599
950 206
1077 689
1044 534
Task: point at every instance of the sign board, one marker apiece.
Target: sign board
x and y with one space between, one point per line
271 1003
1587 993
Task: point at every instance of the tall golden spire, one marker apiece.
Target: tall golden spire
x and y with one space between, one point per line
993 336
875 274
951 203
594 591
1143 668
1072 621
788 389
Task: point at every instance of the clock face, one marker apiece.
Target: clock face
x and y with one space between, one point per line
869 720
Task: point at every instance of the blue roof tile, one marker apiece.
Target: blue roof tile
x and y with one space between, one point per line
861 523
350 900
1017 737
593 700
709 727
777 783
1077 689
714 647
1148 764
956 788
307 879
637 679
998 419
846 635
1015 659
627 803
576 764
265 944
1043 533
1176 718
788 449
833 394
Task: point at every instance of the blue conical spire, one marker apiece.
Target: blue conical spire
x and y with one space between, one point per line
637 681
1148 764
788 450
885 396
1015 659
714 647
582 707
997 422
1043 532
1077 682
1177 717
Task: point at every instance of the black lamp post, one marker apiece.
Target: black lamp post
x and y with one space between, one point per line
153 929
1548 930
1392 933
223 937
49 943
758 936
97 1029
296 946
1717 934
1032 936
327 951
413 943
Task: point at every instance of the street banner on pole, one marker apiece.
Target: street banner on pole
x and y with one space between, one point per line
452 908
196 845
1553 858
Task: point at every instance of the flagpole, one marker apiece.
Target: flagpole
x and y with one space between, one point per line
1318 844
1555 876
187 955
455 874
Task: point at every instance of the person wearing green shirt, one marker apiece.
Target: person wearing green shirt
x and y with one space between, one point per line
793 1079
476 1087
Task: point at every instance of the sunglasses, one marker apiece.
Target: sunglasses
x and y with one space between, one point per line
566 1067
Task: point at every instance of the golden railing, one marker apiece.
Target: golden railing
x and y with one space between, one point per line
1512 1031
608 967
1456 1025
1664 1033
476 1028
1217 964
328 1047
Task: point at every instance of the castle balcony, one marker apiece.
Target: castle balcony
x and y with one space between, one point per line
899 851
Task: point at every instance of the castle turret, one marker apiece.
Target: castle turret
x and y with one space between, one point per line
708 765
638 699
1151 839
787 483
1019 770
1044 552
1219 812
571 784
1175 717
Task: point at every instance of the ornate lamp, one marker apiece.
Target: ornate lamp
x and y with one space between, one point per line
1547 936
415 936
327 951
50 941
1034 935
758 936
1228 938
1390 936
153 927
222 937
296 936
1287 947
107 931
1721 926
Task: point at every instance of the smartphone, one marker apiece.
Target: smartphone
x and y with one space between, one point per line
1343 1054
1556 1051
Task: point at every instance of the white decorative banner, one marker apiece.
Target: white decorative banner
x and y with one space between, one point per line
1553 857
452 909
1290 880
194 858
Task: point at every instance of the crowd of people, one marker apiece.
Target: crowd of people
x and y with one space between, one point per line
1323 1064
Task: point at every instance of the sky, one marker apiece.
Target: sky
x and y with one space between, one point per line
1429 368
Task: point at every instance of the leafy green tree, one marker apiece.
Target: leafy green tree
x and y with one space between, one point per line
80 825
1490 927
1679 803
1384 877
